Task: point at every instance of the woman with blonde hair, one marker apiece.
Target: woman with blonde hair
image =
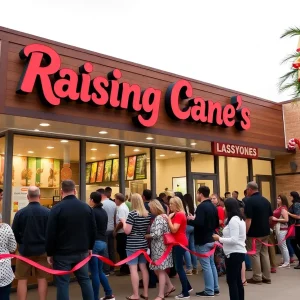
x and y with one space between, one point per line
177 222
136 227
158 228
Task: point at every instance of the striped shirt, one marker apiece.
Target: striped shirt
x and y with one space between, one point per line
136 239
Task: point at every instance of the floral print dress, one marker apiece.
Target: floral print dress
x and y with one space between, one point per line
158 228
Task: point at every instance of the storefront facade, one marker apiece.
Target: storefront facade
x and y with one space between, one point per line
71 113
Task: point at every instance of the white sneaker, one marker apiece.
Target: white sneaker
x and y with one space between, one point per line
180 296
285 266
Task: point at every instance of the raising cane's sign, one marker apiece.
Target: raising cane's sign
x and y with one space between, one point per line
233 150
43 70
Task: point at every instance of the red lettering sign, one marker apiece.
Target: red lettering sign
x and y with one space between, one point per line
233 150
43 70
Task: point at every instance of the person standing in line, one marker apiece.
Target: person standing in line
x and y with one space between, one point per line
1 200
294 213
206 222
70 238
108 191
95 264
122 213
259 215
247 258
29 227
233 240
190 259
227 195
177 223
235 195
111 209
158 228
162 198
136 227
219 253
8 245
280 219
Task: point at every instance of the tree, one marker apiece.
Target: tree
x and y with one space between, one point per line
291 80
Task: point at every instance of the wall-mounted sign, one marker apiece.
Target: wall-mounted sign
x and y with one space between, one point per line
233 150
54 84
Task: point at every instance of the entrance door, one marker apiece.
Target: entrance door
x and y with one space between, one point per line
266 187
204 179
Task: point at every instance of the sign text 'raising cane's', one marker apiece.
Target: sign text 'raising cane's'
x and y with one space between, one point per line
233 150
54 84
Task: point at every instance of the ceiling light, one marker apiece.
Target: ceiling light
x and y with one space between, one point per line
30 152
193 144
36 130
50 147
94 149
93 157
113 154
136 150
149 138
113 145
103 132
44 124
177 152
64 141
162 155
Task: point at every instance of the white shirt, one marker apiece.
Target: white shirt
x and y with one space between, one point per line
234 236
110 208
122 212
7 244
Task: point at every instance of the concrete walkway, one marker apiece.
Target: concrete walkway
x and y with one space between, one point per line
285 285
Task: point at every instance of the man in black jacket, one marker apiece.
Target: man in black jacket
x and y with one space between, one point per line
205 222
71 234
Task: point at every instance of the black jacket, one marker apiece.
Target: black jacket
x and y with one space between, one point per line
205 223
29 227
71 228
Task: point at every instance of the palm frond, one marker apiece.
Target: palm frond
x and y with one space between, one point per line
292 75
293 56
292 31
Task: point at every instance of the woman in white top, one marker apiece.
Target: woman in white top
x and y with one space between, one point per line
7 245
233 240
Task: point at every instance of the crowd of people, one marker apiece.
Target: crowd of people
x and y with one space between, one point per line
72 230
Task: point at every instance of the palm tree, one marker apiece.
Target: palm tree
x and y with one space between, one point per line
291 80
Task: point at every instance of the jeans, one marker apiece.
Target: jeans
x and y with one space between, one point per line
179 254
66 263
247 261
234 267
209 269
109 251
290 248
96 269
283 247
121 245
190 259
296 243
5 292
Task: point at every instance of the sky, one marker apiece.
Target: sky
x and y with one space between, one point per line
231 43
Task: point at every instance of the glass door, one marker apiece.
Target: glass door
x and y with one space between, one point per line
266 187
203 179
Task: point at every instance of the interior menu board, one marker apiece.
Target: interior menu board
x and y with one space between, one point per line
107 170
141 167
88 172
131 167
99 177
115 170
93 172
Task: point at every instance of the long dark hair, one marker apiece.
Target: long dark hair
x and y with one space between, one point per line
232 209
180 196
295 196
284 200
188 199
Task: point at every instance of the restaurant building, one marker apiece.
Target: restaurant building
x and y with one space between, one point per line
67 113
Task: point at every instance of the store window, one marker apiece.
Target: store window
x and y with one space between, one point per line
202 163
261 167
262 171
102 167
43 162
170 172
2 155
137 170
233 175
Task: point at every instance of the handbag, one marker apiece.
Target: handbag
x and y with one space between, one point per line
169 238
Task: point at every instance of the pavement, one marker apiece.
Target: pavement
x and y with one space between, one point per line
285 285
